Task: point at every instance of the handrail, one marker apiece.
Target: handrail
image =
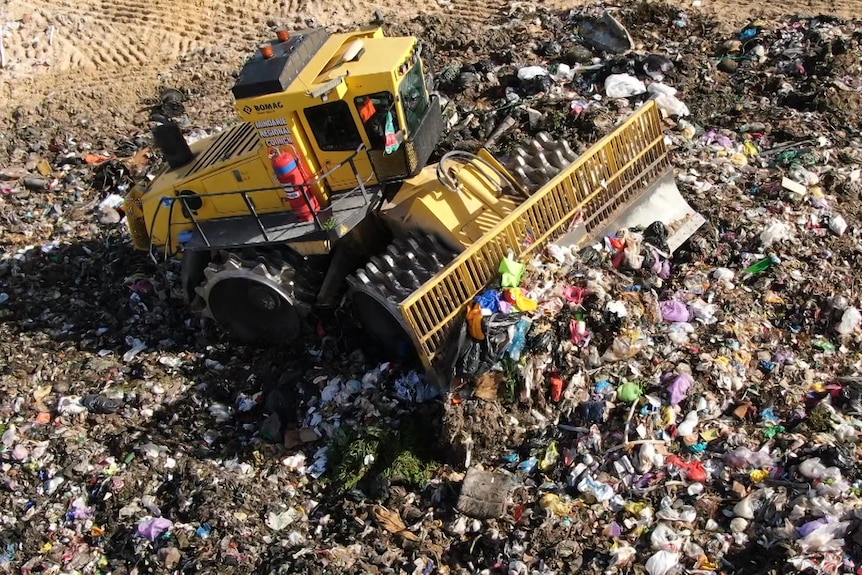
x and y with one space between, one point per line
303 188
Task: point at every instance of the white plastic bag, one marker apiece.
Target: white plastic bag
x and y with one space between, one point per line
564 73
829 537
663 563
623 86
666 100
849 321
688 424
663 538
775 232
530 72
838 225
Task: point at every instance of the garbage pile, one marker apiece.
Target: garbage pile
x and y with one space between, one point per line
614 408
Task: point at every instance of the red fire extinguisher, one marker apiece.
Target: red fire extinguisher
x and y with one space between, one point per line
290 173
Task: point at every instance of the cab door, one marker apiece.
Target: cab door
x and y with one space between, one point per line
335 137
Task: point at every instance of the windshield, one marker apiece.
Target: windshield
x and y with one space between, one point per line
414 99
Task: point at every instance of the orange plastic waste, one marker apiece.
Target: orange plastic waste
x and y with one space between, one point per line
474 320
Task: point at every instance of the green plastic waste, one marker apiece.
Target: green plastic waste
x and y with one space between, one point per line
512 272
824 345
630 392
761 265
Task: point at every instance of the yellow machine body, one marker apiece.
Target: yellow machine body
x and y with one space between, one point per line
327 110
354 111
459 217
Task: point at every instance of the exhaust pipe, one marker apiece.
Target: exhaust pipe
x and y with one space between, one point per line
169 138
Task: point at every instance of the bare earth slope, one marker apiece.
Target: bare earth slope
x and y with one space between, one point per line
65 57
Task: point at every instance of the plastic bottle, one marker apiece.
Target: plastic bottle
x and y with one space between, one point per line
520 338
762 265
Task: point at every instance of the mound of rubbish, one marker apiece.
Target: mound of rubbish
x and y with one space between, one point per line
614 408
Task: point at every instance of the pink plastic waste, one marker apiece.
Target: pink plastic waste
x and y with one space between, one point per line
154 527
678 387
674 311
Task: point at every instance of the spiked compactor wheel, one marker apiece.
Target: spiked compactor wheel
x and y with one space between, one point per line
387 279
543 158
251 298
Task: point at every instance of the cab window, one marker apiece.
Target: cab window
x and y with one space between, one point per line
372 110
414 99
333 127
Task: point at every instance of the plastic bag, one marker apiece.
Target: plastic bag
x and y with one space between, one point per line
564 73
512 271
474 321
678 387
675 311
479 356
578 331
599 491
829 537
663 538
540 83
623 86
838 225
516 297
850 320
490 300
742 457
678 333
704 312
663 563
688 424
152 528
775 232
470 360
530 72
497 337
666 100
723 274
590 256
656 234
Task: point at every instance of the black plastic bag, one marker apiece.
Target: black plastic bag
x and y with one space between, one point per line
479 356
656 235
590 256
536 84
470 360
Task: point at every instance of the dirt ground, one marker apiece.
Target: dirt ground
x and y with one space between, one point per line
77 61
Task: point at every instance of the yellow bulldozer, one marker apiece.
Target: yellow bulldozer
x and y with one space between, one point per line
323 188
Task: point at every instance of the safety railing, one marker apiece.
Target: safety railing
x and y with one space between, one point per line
609 176
170 202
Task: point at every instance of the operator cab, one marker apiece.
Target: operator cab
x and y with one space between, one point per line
352 106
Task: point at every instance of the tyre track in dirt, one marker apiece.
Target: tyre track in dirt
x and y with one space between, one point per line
117 51
77 49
